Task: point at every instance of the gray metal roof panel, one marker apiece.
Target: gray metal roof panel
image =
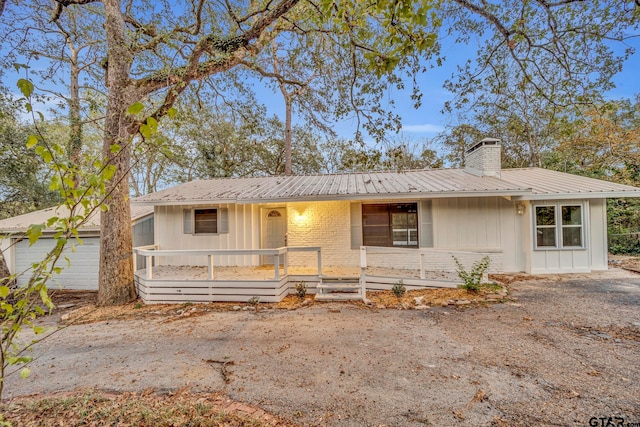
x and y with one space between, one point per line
546 183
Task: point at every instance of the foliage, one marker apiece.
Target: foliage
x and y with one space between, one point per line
23 176
82 194
254 301
472 280
398 289
301 289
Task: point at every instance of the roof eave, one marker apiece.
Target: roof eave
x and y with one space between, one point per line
388 196
575 196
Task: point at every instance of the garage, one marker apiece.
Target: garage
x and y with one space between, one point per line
82 273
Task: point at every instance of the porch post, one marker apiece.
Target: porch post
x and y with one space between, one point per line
363 271
149 266
286 262
421 265
210 267
276 266
135 259
319 262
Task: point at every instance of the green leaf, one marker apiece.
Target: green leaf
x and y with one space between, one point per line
4 291
32 141
26 87
24 373
114 148
171 112
8 308
34 232
135 108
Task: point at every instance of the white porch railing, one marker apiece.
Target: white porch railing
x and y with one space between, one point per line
153 252
423 261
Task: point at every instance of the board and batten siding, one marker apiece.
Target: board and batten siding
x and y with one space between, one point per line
243 233
598 244
483 224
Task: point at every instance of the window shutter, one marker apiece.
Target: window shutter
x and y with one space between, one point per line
426 224
187 221
223 220
356 225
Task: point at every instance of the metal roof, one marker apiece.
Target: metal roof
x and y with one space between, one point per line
547 184
529 183
22 222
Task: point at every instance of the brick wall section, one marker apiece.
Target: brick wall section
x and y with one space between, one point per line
324 224
484 161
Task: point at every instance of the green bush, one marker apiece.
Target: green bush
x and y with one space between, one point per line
301 289
472 280
398 289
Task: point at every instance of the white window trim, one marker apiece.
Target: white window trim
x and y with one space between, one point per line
559 226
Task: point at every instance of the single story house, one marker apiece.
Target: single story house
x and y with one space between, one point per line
82 273
526 220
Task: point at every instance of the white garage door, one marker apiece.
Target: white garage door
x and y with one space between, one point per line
83 272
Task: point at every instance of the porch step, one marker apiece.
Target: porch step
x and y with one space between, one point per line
336 279
339 296
339 288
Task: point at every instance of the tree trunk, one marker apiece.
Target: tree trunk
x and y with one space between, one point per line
287 136
4 272
75 138
116 240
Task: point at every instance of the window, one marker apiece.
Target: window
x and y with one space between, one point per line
205 221
390 225
559 226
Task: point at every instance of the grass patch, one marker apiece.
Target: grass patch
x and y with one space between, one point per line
135 409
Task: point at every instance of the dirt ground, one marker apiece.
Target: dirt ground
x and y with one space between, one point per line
561 350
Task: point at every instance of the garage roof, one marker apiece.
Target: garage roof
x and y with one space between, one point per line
525 184
21 222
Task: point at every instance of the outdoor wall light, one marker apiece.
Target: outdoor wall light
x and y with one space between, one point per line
520 208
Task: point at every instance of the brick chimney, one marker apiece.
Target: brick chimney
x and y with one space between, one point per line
483 159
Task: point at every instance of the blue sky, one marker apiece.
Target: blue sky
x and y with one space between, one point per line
429 120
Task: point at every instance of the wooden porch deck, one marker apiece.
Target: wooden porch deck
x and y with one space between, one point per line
209 283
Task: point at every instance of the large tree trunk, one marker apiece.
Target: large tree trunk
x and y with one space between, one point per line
287 137
116 241
4 272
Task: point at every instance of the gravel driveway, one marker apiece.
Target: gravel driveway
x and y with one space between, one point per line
565 351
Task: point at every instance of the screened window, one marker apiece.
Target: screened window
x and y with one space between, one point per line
390 225
205 221
559 226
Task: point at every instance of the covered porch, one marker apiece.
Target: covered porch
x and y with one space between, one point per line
158 281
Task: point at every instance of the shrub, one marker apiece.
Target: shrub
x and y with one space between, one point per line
301 289
254 301
472 281
398 289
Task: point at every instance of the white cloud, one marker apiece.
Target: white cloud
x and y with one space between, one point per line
423 128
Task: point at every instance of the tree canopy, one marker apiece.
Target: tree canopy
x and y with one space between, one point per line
142 57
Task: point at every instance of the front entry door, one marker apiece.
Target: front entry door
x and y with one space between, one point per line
274 231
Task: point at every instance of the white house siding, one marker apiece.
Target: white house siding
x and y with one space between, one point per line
82 273
481 224
244 233
545 261
598 235
324 224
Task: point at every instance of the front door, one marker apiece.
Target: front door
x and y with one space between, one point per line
274 231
